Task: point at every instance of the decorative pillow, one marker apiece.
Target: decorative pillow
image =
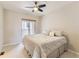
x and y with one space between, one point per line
58 33
51 33
45 33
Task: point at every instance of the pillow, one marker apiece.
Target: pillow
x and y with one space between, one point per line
51 33
58 33
45 33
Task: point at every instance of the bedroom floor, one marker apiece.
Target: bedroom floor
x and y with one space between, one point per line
18 51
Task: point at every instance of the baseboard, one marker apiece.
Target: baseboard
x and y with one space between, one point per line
9 44
74 52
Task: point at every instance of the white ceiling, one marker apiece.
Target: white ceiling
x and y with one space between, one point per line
20 6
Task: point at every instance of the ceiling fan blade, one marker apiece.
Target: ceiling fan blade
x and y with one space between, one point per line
32 10
35 2
40 6
40 9
29 7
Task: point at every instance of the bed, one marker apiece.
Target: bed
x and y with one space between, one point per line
43 46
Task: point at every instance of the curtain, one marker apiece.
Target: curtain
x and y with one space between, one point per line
28 27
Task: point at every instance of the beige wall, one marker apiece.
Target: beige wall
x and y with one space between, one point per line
1 28
67 20
13 26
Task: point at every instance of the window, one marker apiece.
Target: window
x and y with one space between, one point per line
28 27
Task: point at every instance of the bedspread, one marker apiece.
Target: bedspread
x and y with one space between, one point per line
41 45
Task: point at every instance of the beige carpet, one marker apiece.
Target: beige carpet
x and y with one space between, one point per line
69 55
18 51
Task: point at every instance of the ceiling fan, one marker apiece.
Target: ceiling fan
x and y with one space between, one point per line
37 7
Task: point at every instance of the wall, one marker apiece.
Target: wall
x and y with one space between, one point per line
1 28
65 19
13 26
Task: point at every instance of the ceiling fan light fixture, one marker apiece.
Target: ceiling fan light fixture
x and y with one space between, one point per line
35 9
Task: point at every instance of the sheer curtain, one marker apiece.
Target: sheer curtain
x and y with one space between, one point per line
28 27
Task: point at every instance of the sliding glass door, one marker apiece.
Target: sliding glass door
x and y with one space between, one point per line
28 27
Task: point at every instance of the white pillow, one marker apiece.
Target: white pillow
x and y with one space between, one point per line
44 32
58 33
51 33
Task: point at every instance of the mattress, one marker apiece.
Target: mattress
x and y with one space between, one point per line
41 46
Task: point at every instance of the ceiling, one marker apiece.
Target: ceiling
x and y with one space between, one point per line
19 6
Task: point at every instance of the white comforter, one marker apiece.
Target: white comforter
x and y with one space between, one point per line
41 45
